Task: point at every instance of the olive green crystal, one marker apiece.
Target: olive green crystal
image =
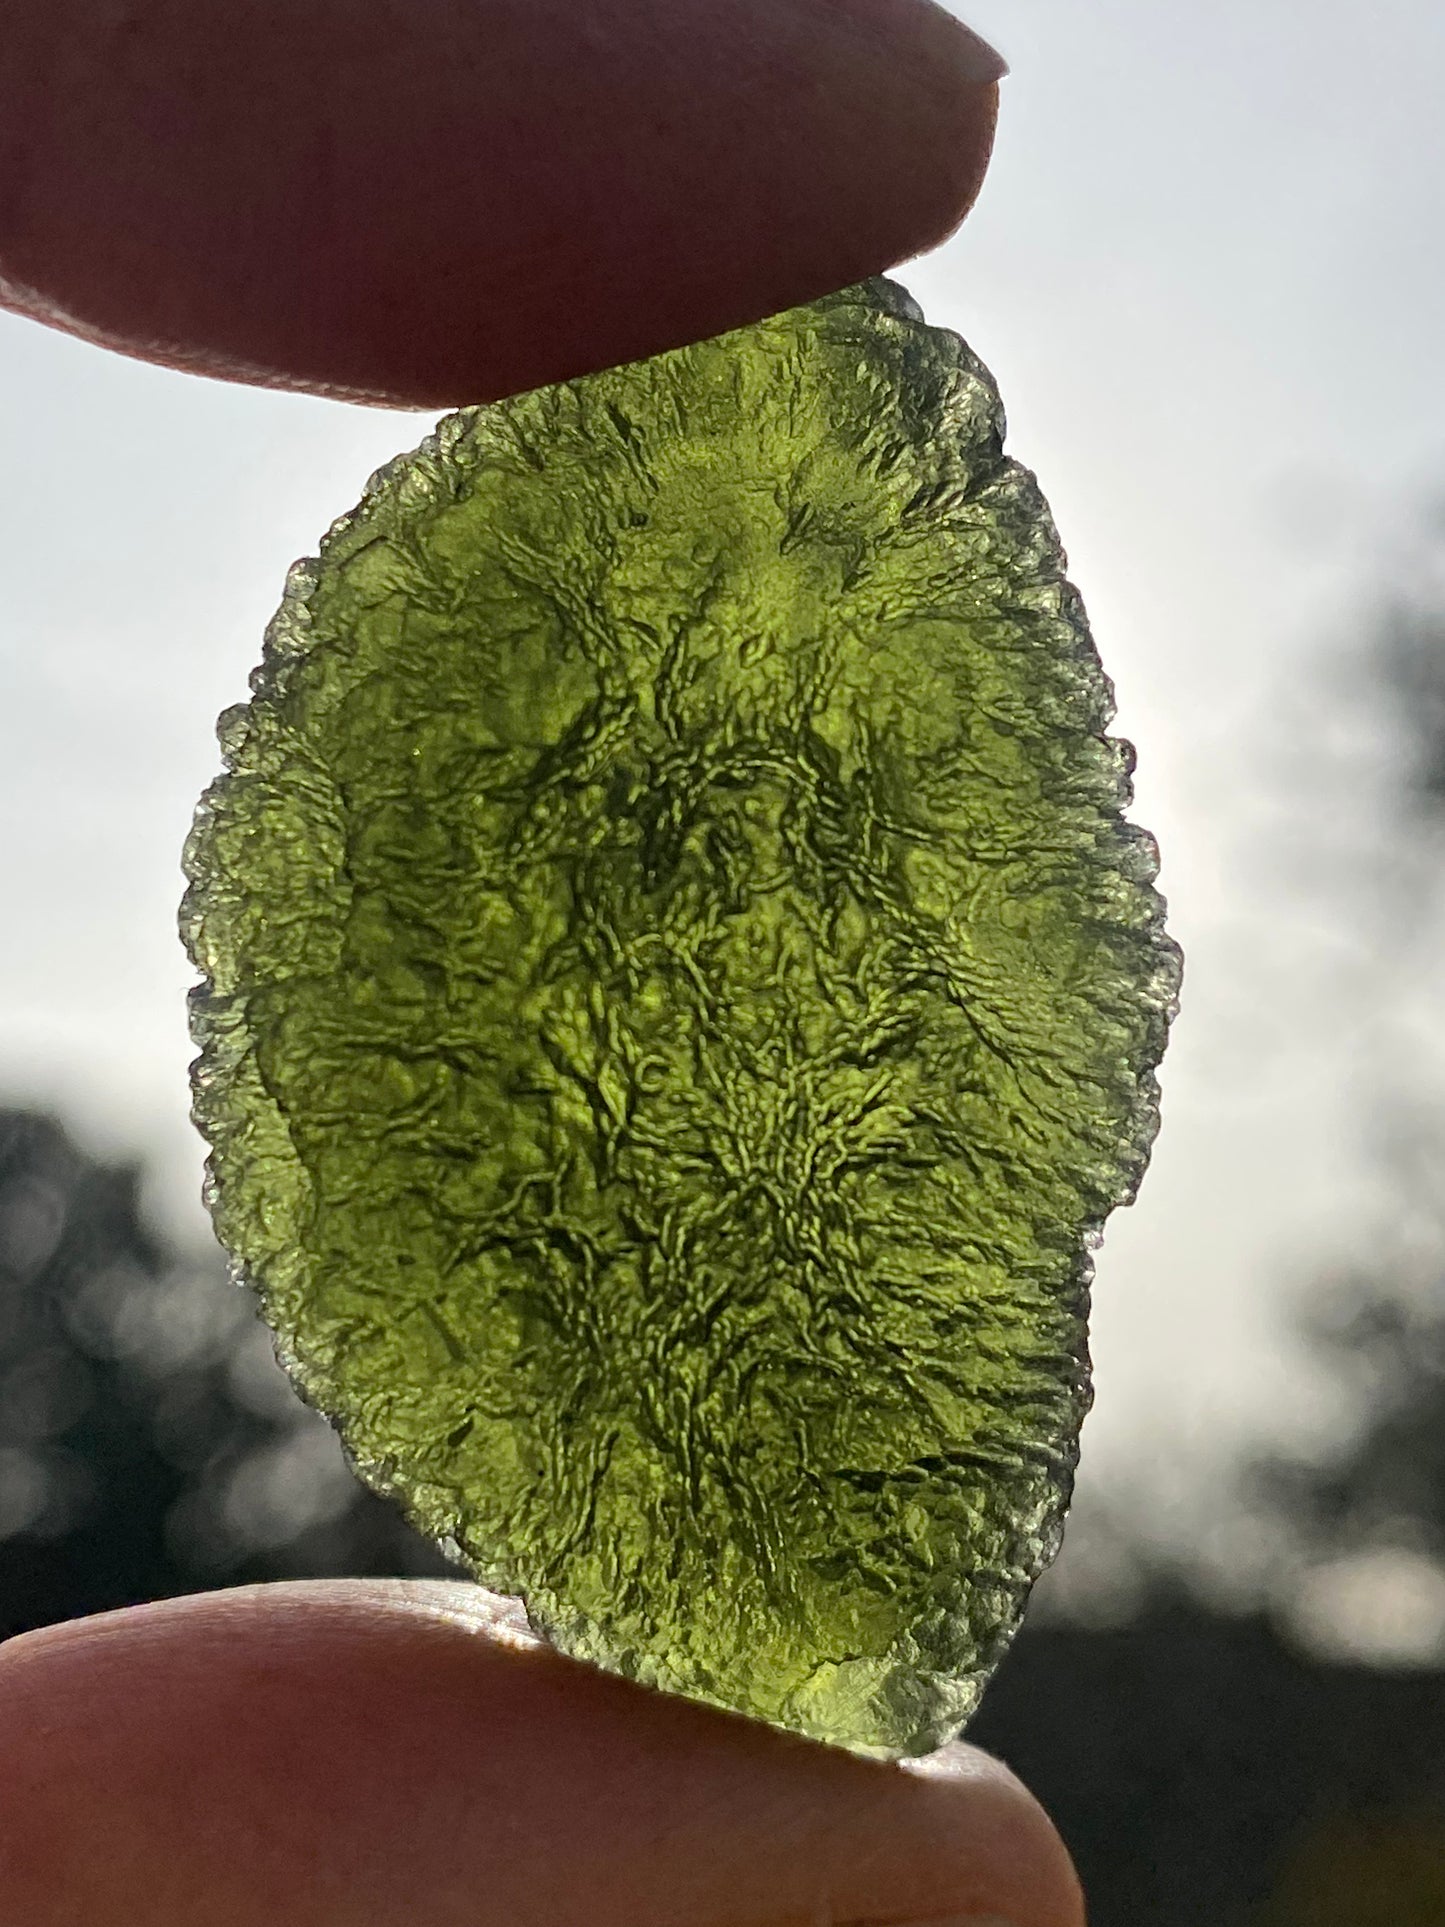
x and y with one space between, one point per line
680 1001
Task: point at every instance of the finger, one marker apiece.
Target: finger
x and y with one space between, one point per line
398 1754
450 200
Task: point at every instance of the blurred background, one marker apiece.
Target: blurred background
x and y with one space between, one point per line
1207 272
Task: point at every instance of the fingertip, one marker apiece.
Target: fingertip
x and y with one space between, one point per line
330 1753
470 197
1031 1874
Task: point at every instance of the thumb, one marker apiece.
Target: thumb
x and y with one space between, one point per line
407 1755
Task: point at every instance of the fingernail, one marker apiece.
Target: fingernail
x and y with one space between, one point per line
983 64
915 31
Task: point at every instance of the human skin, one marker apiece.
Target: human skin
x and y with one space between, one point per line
443 201
382 1754
430 202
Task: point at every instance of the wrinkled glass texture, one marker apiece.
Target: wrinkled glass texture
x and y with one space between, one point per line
680 1001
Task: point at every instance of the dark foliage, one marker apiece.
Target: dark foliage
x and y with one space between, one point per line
149 1444
1192 1760
1385 1485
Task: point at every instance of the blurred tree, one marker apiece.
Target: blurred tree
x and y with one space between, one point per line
149 1443
1381 1325
1383 1487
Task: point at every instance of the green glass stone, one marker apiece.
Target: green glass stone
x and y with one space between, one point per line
680 1001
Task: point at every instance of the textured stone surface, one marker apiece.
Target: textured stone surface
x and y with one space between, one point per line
681 999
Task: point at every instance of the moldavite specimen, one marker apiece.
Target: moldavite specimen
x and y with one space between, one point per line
680 1001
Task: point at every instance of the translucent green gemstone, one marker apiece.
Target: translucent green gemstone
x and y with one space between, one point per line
681 1000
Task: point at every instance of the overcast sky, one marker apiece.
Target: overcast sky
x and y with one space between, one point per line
1208 273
